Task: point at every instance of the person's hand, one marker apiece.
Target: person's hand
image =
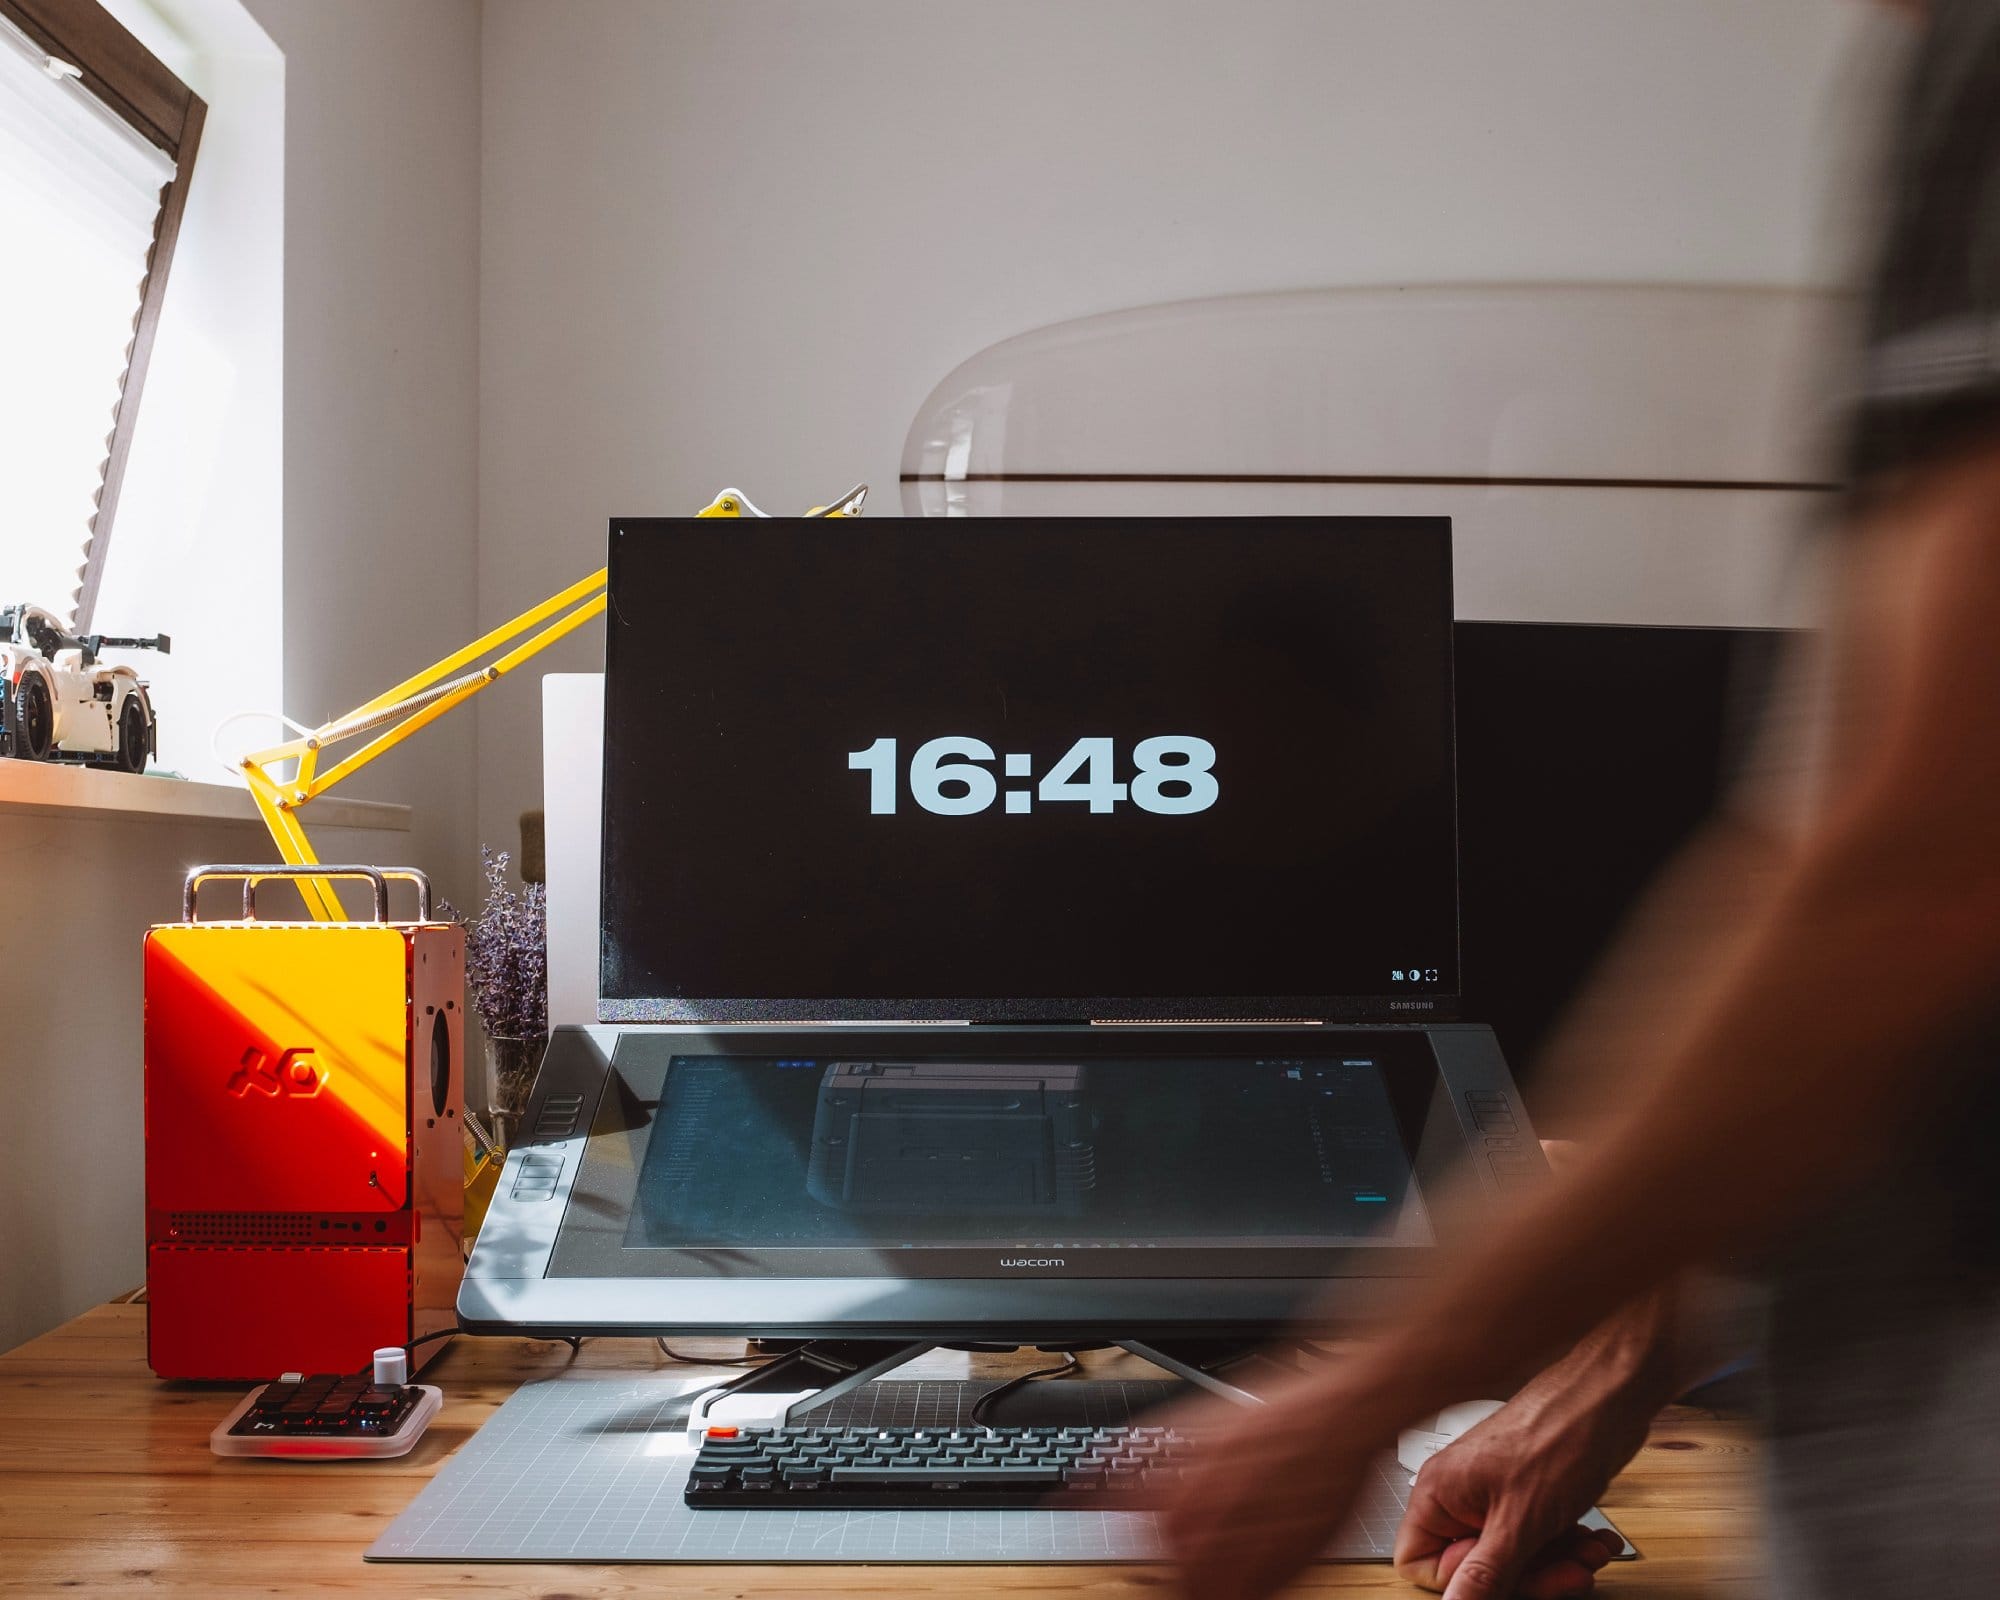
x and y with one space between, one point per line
1266 1488
1494 1514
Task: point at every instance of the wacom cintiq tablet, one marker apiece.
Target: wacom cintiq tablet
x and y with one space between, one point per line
1014 929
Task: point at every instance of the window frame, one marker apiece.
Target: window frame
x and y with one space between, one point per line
147 95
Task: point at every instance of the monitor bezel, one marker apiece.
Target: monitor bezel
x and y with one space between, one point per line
1427 1005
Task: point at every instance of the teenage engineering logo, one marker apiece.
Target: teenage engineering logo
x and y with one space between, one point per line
296 1074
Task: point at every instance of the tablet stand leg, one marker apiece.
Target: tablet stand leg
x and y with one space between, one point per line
1203 1361
830 1367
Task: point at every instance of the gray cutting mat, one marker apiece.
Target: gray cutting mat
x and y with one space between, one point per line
591 1469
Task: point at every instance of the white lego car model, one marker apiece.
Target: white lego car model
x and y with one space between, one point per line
57 700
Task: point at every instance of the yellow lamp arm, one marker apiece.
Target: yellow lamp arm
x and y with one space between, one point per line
420 700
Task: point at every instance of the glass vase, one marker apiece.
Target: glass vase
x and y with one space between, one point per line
511 1064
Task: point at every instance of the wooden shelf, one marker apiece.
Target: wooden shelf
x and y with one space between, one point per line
49 788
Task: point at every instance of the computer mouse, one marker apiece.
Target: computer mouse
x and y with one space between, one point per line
1418 1444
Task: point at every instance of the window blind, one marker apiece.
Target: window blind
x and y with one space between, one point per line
79 200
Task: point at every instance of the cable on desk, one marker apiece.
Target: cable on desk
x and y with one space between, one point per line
746 1360
422 1338
411 1347
980 1406
574 1341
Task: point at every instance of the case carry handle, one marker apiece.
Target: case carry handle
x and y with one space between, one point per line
377 878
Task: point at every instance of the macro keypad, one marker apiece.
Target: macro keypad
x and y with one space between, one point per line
327 1405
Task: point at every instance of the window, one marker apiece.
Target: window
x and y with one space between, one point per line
97 143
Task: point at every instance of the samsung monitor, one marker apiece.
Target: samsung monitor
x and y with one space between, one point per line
1052 769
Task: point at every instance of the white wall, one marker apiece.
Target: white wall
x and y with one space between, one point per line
197 550
738 242
382 115
301 504
380 361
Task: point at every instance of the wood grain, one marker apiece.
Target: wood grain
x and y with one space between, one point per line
107 1486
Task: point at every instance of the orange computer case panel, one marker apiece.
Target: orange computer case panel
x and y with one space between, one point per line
304 1101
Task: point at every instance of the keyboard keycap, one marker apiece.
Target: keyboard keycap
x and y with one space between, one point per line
1019 1476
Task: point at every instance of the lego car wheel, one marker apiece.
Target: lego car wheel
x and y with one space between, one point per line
34 718
135 736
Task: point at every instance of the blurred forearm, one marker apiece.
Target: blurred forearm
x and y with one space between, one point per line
1823 1020
1778 1101
1661 976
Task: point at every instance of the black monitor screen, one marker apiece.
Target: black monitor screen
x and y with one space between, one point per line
1033 769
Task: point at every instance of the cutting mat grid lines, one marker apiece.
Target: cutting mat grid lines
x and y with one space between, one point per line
591 1469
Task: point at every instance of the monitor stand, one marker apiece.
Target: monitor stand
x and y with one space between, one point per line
816 1373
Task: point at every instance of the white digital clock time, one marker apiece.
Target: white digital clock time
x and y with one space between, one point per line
1173 776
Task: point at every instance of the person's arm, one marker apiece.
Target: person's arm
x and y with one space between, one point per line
1520 1483
1819 1040
1517 1486
1826 1036
1665 967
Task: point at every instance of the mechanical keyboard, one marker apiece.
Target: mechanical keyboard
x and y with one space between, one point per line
919 1469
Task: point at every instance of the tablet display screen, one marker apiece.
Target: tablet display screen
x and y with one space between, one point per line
910 1154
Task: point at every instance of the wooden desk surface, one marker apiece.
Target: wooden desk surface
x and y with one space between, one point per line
107 1484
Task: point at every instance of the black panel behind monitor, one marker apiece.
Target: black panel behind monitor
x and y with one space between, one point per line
1586 757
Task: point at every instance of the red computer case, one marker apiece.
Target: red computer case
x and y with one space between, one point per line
304 1138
